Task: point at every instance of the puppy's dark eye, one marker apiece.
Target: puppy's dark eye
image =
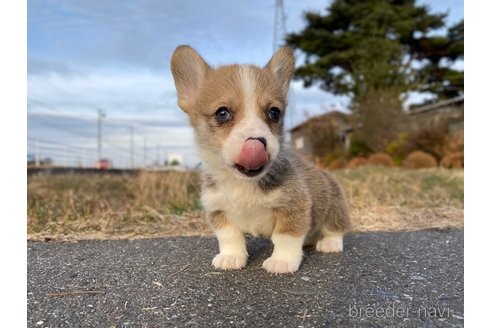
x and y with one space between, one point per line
274 114
223 115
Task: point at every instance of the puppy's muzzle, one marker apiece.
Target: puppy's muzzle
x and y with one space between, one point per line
253 157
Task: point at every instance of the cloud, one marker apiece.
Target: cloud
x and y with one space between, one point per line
145 33
124 94
314 99
36 66
97 34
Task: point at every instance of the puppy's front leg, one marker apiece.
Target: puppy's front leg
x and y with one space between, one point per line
232 244
291 227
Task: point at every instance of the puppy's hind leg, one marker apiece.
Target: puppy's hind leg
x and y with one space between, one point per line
332 235
336 223
332 242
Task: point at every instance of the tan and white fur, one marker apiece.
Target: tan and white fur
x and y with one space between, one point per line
287 199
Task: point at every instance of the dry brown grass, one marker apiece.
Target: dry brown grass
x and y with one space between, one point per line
67 207
394 199
108 206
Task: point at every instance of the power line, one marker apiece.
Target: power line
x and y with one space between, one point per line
61 152
57 147
63 156
109 146
68 152
60 115
118 122
48 142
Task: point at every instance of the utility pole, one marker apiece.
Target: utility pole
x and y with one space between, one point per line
278 24
100 116
279 32
37 159
132 163
65 158
145 153
158 155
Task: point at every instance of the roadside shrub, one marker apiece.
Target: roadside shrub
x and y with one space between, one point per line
430 140
358 147
453 160
455 143
399 148
381 159
356 162
338 153
337 164
419 159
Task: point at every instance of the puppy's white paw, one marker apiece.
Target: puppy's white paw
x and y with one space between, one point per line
330 244
229 262
274 265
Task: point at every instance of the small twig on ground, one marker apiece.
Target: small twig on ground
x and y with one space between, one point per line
157 283
212 273
304 315
181 270
149 308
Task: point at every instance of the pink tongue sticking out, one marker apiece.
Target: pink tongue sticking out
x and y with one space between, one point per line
253 155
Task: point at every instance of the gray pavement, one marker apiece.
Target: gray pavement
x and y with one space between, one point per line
381 280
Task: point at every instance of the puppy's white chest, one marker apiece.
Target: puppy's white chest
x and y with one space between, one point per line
245 205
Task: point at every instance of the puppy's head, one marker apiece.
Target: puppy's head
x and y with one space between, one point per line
237 111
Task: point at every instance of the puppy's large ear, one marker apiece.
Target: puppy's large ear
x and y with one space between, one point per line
282 65
189 71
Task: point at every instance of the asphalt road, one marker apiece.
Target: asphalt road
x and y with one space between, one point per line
382 279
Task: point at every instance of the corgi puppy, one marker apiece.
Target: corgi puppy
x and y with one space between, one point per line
252 183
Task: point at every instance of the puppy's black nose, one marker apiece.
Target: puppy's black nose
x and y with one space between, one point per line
260 139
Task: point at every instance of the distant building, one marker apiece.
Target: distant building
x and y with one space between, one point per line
320 134
175 159
104 164
31 159
449 114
